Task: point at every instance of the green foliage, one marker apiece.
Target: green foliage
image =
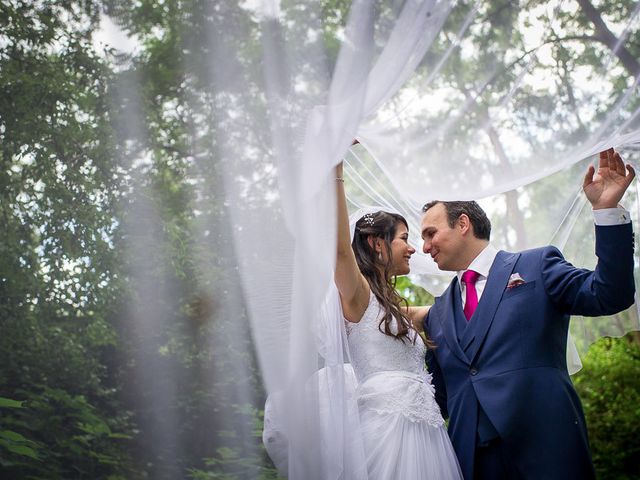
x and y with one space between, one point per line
414 294
58 270
229 463
63 436
14 446
15 443
609 387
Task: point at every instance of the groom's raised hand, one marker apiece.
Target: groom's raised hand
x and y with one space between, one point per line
605 188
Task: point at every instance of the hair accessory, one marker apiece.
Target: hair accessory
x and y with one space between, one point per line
368 218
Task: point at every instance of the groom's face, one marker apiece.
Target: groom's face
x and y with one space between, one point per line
443 243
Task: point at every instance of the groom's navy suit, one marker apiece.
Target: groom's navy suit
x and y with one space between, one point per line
503 374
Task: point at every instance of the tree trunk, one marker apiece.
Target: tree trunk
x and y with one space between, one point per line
514 215
609 39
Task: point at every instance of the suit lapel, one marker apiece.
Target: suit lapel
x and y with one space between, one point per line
447 315
482 318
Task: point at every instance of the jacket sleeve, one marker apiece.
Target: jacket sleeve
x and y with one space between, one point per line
609 289
436 372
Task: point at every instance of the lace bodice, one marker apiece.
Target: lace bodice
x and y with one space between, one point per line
372 351
392 375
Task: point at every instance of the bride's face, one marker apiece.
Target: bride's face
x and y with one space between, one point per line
401 251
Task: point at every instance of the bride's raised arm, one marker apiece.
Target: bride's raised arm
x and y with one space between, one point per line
353 287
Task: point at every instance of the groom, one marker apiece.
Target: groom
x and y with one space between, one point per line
500 331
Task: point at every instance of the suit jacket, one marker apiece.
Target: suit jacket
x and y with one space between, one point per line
508 366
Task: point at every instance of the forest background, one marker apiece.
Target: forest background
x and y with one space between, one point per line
90 209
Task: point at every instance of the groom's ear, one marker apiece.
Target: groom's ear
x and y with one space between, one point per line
464 224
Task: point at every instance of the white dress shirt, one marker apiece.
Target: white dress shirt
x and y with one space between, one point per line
482 263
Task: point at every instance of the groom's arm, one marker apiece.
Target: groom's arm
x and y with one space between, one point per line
438 383
609 289
436 373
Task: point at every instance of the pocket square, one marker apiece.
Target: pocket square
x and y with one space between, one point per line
515 280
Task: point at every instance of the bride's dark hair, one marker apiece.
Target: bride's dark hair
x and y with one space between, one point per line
381 225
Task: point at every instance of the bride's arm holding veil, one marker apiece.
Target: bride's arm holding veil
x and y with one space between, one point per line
353 287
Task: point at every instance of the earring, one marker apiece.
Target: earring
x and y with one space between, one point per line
380 256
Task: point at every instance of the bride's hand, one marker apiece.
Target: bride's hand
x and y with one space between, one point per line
339 170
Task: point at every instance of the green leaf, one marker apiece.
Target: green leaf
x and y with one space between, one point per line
8 403
22 450
121 435
227 453
95 428
13 436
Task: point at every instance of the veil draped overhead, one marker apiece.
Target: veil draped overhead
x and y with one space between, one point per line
492 101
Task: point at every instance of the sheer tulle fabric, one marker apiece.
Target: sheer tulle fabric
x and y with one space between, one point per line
509 129
400 448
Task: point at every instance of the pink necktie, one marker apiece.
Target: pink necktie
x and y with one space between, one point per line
469 278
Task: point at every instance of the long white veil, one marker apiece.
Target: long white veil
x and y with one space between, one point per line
495 101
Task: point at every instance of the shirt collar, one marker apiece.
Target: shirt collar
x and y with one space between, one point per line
482 263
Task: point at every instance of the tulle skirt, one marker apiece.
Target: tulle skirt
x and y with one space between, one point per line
398 433
403 437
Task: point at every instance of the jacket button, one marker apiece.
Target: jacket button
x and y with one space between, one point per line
473 371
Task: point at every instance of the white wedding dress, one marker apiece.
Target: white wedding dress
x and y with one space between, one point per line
403 430
400 431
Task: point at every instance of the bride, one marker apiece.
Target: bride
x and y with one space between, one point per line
393 425
402 428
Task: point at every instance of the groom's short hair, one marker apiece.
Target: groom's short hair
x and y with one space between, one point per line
477 217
